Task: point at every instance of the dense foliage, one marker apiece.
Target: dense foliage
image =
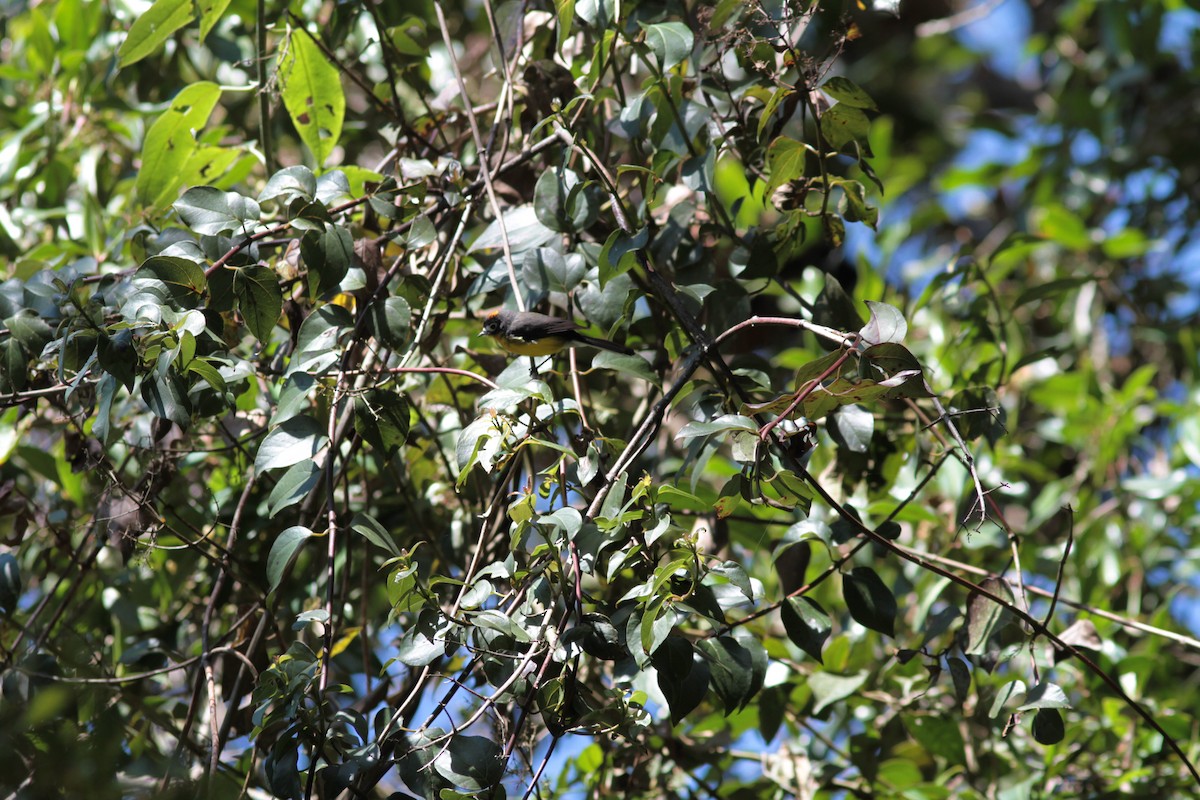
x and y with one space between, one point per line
896 497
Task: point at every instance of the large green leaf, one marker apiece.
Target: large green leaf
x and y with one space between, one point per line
171 142
312 93
151 29
283 551
869 600
260 299
296 440
670 41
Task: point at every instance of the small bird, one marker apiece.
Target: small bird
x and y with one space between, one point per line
528 333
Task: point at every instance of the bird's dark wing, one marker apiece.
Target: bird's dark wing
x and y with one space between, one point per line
532 326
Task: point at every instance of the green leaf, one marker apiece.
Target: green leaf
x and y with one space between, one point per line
1004 695
785 162
260 299
671 42
722 424
806 624
682 676
283 551
847 91
424 642
731 669
472 763
1056 223
183 277
565 11
152 28
10 583
852 427
210 211
1045 695
619 253
166 396
296 440
370 529
869 601
563 202
853 204
546 270
1048 726
887 324
328 254
843 124
171 142
960 676
211 12
207 372
293 486
391 322
891 358
985 617
525 232
836 309
381 417
288 185
312 93
1045 290
828 688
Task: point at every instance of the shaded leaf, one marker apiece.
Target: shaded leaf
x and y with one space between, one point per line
807 624
869 600
283 550
985 617
472 763
381 417
731 670
1048 727
260 299
682 676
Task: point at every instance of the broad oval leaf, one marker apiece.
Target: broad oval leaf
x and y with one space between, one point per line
283 550
731 669
525 232
288 184
847 91
472 763
682 676
10 582
887 324
828 688
312 93
1048 726
210 211
806 624
382 419
671 42
259 299
297 439
152 28
171 141
870 602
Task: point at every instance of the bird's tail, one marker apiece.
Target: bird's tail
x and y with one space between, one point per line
605 344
